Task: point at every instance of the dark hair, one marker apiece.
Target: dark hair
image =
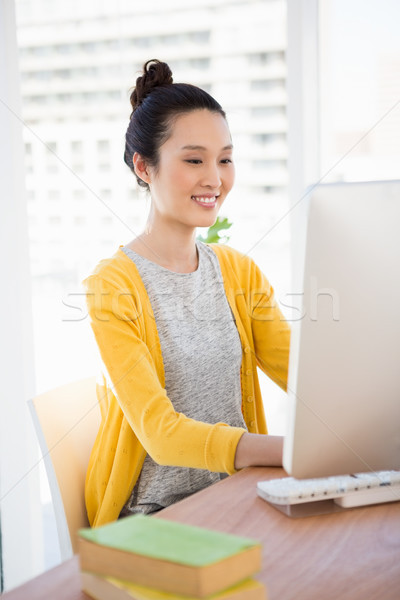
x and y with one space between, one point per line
156 101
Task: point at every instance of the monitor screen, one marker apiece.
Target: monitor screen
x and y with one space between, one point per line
344 371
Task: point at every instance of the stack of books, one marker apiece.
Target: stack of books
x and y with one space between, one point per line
146 558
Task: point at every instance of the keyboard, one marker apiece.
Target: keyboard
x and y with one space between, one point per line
347 491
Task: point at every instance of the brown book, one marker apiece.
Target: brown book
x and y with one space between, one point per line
109 588
168 556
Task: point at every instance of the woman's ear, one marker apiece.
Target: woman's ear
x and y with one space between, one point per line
141 168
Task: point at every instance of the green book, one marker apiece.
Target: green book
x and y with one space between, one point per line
168 556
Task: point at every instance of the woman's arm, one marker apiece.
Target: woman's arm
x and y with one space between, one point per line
255 450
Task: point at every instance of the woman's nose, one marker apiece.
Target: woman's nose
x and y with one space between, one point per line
212 176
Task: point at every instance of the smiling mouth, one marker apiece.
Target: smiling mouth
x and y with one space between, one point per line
205 200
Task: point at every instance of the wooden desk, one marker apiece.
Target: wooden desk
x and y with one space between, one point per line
344 556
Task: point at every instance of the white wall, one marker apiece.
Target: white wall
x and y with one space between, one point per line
21 524
303 118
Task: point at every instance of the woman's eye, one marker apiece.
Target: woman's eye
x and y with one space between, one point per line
198 161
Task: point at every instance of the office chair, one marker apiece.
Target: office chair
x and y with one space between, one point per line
66 421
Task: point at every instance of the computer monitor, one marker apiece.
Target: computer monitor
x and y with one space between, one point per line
344 371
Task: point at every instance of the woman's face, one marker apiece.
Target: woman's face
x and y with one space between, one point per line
195 171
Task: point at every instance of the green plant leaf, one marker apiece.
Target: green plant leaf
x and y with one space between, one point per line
213 235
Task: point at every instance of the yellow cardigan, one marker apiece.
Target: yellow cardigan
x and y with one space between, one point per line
137 415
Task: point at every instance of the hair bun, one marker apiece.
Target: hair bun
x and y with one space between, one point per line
155 74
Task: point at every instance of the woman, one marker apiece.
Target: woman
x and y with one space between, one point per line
181 326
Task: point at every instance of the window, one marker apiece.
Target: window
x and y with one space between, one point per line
199 37
51 147
53 195
268 111
64 49
79 194
103 146
262 85
266 58
269 164
76 93
262 139
360 90
76 146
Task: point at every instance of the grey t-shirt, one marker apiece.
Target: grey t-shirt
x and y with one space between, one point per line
202 357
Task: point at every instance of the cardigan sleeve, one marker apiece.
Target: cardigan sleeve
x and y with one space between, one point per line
264 326
170 438
271 331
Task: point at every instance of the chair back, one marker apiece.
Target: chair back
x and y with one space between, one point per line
67 420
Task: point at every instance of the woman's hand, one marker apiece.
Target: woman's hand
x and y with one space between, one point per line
257 450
